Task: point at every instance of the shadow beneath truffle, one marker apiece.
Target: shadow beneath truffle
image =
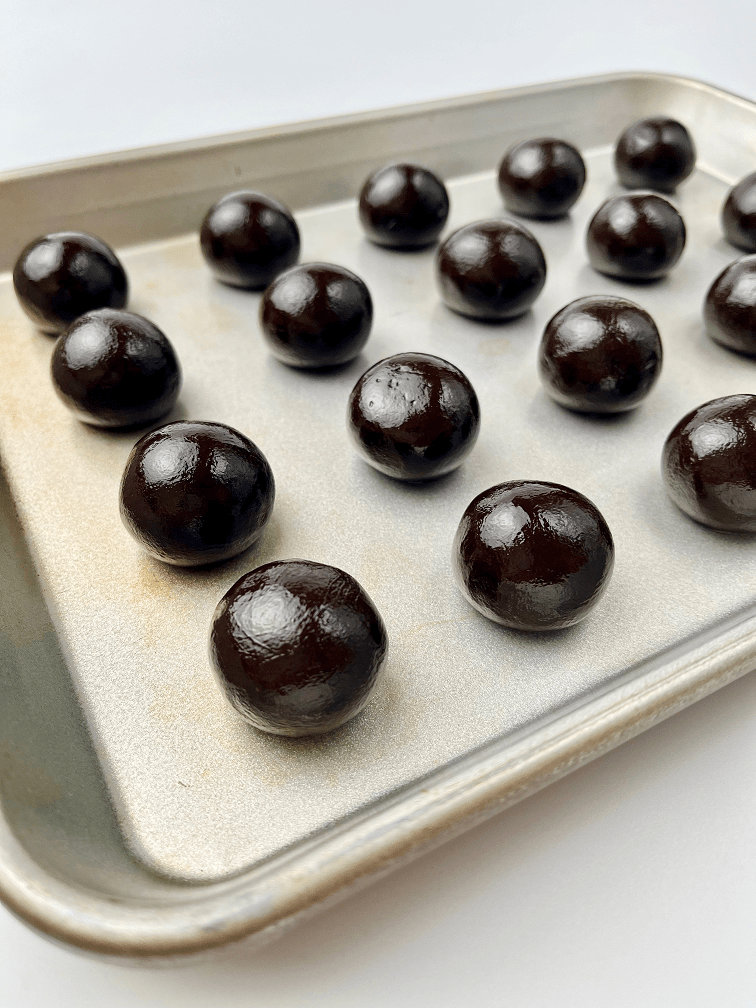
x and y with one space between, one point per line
263 550
126 433
671 522
588 274
489 323
358 363
542 401
432 487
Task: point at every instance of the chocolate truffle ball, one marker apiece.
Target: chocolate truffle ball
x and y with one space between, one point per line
532 555
639 236
709 464
403 206
730 307
413 416
316 315
61 276
656 153
541 178
115 369
739 214
297 647
248 238
195 492
491 270
600 354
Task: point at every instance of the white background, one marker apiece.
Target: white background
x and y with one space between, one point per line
630 884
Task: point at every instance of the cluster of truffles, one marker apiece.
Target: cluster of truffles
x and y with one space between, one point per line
297 645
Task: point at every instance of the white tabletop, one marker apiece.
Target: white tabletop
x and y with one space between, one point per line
630 883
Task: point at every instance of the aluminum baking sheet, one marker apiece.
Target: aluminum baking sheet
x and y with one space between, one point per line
200 797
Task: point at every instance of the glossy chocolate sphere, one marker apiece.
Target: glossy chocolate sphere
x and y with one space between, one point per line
600 354
739 214
656 153
316 315
403 206
413 416
297 647
639 236
541 178
248 238
491 270
115 369
61 276
194 493
709 464
532 555
730 307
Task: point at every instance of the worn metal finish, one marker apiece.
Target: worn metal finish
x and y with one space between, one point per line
142 817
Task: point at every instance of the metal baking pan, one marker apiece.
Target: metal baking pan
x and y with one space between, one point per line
142 819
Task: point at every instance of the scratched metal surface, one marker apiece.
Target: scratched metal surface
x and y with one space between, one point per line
198 793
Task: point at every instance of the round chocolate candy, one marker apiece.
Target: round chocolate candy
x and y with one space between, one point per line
61 276
491 270
115 369
316 315
638 236
600 354
297 647
195 492
413 416
739 214
541 178
709 464
532 555
248 238
730 307
656 153
403 206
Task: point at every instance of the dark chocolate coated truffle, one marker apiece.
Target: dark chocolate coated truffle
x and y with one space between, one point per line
638 236
61 276
656 153
541 178
195 492
403 206
297 647
600 354
491 270
413 416
248 238
709 463
115 369
730 307
316 315
739 214
532 555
